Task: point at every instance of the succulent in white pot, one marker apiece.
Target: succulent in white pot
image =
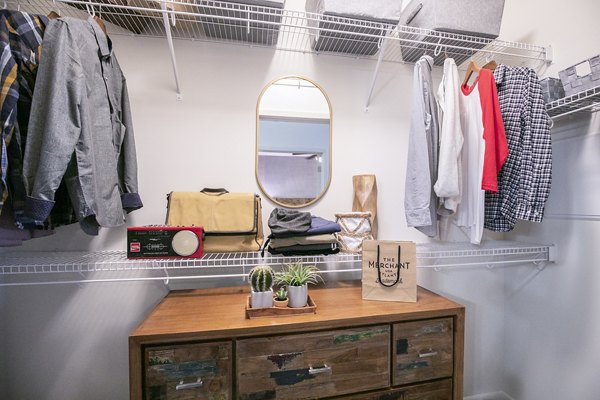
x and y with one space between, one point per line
297 276
261 281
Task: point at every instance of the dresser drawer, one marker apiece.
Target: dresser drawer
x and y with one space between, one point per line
190 371
313 365
439 390
423 350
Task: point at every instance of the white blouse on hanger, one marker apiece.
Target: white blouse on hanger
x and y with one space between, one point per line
449 182
470 211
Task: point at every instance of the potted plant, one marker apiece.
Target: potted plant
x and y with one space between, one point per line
261 282
281 299
296 276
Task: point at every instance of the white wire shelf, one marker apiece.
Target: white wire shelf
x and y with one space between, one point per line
229 22
36 268
583 102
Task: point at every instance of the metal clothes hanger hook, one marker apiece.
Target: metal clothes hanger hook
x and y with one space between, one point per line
380 40
56 8
438 48
90 9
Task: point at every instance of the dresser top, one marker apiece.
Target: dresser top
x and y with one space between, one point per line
220 313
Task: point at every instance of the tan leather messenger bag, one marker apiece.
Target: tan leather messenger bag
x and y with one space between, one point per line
231 221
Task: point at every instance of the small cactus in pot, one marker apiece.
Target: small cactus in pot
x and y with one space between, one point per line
261 281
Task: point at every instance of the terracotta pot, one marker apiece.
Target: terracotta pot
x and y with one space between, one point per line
281 303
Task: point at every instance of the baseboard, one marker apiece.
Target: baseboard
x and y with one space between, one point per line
490 396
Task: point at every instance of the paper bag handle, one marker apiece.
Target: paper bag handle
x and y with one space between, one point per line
397 267
214 191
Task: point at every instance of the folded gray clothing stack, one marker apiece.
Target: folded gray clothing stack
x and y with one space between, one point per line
284 222
302 240
291 235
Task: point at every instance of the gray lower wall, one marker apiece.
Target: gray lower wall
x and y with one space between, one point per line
70 341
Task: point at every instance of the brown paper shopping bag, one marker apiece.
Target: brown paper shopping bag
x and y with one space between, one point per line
389 271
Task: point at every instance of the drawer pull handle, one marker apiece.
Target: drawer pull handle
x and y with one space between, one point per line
430 354
321 370
191 385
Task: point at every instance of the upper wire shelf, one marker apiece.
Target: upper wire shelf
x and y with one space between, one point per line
20 268
583 102
284 29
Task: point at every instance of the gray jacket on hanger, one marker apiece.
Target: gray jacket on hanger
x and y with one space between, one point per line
81 128
420 200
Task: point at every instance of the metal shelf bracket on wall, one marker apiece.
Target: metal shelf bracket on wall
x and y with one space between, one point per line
382 47
168 24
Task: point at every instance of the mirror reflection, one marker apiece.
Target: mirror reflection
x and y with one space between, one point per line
293 142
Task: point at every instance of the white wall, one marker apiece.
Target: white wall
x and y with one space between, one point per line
67 342
64 341
551 322
207 140
551 316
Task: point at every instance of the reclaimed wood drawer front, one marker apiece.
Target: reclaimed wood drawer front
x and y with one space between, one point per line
423 350
439 390
313 365
188 371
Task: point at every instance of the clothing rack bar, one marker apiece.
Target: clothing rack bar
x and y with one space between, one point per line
37 268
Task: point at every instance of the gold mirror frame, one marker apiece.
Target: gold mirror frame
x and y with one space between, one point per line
256 150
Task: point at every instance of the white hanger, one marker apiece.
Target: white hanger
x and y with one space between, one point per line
90 9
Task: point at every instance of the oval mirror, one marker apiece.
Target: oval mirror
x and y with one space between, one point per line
293 142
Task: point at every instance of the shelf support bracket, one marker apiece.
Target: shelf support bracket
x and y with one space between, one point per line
382 48
167 24
549 55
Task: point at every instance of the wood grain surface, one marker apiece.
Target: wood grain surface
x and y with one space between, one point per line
218 315
422 350
439 390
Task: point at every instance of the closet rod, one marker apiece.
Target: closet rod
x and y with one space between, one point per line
157 278
491 264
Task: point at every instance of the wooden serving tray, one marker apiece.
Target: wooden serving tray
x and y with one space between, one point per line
310 308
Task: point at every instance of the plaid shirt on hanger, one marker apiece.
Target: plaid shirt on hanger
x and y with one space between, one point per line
21 41
524 180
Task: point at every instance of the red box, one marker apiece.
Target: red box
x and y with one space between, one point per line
164 242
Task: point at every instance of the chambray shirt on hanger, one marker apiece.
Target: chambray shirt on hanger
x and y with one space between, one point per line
81 128
420 200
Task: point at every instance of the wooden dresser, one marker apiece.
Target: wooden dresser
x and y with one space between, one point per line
199 345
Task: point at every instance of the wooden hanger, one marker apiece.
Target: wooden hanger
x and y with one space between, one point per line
53 15
491 65
91 11
100 24
472 67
